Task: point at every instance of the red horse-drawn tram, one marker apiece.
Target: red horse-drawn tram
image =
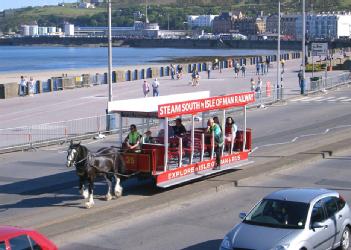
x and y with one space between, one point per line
173 154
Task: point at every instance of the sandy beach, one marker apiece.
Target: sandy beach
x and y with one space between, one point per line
7 77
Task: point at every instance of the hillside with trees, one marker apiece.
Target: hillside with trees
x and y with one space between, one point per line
164 12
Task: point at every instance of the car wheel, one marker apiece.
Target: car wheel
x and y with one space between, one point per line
345 239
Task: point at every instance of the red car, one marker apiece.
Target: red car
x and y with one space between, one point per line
15 238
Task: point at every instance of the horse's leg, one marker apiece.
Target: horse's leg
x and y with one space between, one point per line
90 203
82 190
118 187
109 184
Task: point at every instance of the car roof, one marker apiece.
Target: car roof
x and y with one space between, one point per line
6 231
305 195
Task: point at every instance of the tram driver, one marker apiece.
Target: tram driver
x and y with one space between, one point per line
132 141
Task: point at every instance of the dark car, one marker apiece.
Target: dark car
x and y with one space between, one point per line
15 238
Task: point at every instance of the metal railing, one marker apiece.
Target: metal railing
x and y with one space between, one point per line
323 83
29 136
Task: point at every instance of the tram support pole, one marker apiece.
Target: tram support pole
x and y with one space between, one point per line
202 146
192 139
244 135
166 144
212 145
180 152
223 130
121 128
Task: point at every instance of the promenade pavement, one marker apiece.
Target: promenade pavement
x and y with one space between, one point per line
86 102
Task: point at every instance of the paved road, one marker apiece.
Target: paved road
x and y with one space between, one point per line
86 102
36 190
201 222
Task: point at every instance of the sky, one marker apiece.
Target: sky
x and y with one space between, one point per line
13 4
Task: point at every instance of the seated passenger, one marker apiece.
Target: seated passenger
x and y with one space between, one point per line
147 137
179 129
132 141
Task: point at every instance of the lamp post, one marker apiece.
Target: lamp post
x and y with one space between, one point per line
303 48
278 54
109 76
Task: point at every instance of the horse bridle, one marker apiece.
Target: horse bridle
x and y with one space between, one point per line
73 158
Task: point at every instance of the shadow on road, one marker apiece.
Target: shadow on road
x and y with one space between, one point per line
207 245
61 190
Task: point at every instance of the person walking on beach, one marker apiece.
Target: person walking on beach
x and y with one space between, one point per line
146 88
31 86
155 86
22 86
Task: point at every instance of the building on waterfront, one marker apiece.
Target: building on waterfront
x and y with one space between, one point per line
250 26
288 25
223 23
69 29
43 31
328 26
319 26
200 21
138 30
30 30
35 30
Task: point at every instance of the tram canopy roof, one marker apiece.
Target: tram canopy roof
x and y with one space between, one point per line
180 104
148 107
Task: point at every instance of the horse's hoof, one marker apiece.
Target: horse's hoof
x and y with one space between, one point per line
108 197
118 193
89 205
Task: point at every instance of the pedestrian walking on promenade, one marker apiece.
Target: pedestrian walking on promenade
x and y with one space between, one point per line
283 64
262 68
172 68
146 88
243 70
257 68
195 78
253 85
268 61
209 71
31 86
155 86
22 87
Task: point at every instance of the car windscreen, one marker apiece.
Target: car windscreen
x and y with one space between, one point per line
278 213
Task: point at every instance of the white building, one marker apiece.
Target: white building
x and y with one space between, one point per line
33 30
25 30
43 31
52 30
326 26
69 29
85 5
200 21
